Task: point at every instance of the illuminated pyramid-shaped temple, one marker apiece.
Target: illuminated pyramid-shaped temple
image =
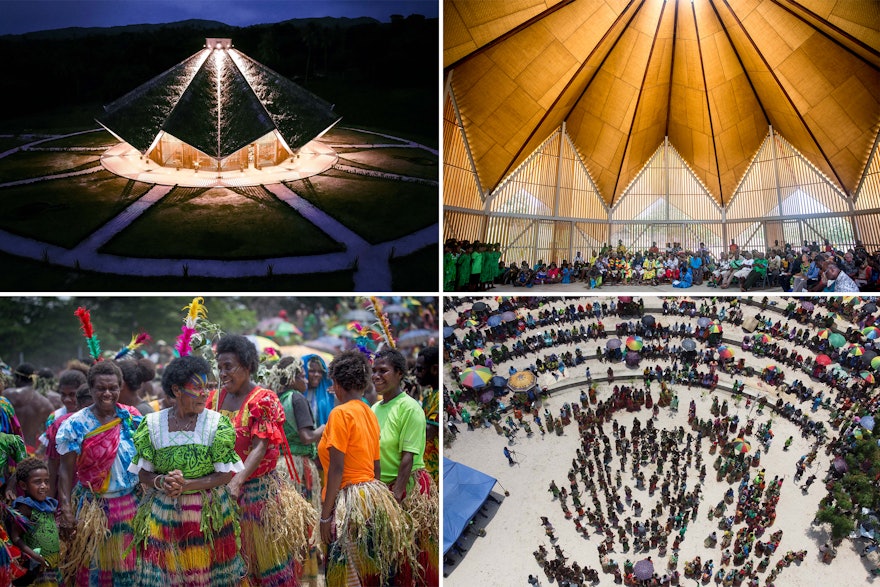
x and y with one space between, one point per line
219 109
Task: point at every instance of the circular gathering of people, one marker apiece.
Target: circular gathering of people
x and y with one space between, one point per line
813 351
250 470
811 267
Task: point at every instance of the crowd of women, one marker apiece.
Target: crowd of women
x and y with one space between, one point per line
248 473
794 336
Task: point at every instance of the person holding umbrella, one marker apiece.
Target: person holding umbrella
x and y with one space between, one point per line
507 454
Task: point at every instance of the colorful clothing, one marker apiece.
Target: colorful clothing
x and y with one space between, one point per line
402 426
431 456
353 430
43 534
191 539
402 429
369 522
320 399
44 439
269 554
9 424
103 495
305 477
12 450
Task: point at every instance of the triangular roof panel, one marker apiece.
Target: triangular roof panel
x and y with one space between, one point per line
218 101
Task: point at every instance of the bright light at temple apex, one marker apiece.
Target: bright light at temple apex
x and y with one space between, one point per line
218 46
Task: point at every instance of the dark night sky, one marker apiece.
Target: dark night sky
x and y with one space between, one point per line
21 16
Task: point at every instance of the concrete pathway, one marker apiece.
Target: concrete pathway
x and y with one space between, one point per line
103 235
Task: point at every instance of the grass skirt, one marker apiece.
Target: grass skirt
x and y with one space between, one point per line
309 487
422 503
276 530
375 537
191 540
101 554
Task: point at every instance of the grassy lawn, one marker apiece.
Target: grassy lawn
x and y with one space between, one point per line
416 271
64 211
49 278
376 209
408 162
347 136
220 224
99 138
24 165
9 142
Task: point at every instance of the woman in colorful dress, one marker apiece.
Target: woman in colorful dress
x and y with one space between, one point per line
401 445
275 520
95 487
187 527
320 399
367 533
288 379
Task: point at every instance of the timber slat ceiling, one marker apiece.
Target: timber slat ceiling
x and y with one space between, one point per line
712 75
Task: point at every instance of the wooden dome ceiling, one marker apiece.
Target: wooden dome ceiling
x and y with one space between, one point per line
712 75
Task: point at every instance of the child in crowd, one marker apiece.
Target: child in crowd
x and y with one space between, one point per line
38 540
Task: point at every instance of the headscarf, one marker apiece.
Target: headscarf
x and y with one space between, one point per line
324 402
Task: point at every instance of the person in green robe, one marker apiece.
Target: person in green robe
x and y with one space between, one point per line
463 267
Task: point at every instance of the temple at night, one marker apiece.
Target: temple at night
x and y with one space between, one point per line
218 110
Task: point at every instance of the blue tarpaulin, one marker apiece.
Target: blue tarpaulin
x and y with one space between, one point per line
464 491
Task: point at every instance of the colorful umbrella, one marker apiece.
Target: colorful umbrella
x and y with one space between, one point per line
740 446
837 340
725 352
522 381
857 350
771 368
470 322
475 377
634 343
868 376
715 329
875 362
262 343
763 338
477 353
823 360
824 333
871 332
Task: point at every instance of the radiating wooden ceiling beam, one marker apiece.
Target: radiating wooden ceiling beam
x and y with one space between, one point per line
709 102
501 38
559 96
781 87
671 69
635 116
863 51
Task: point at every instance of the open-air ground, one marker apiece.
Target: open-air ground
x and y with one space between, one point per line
87 221
513 530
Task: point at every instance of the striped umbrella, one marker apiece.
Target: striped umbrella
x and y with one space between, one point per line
725 352
875 362
715 329
868 376
475 377
771 368
763 338
857 350
824 333
740 446
477 353
634 343
871 332
471 322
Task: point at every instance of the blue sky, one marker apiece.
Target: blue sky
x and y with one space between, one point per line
21 16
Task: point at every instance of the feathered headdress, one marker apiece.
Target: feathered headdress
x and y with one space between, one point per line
195 310
366 338
137 340
92 341
376 308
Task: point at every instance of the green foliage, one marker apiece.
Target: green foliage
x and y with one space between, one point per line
855 490
841 524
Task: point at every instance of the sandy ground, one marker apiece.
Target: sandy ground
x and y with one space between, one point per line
513 529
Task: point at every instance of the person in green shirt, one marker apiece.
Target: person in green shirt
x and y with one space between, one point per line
476 265
401 445
759 271
463 267
448 268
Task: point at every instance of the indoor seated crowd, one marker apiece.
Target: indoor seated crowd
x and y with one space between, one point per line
811 267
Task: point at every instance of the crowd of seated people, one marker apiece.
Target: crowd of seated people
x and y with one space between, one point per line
809 268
